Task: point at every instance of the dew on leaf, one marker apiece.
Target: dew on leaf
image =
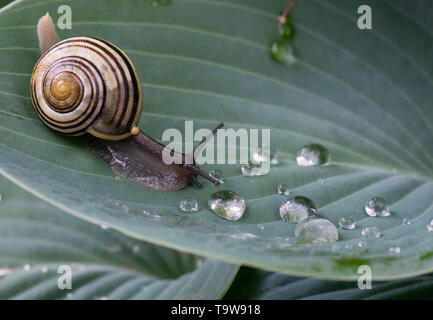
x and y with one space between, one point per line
316 231
227 204
295 209
377 206
346 222
189 205
312 155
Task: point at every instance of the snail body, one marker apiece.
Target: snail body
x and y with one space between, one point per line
85 85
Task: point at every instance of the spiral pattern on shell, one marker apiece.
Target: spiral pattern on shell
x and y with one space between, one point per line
87 85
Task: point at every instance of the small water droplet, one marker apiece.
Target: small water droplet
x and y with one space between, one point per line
227 205
347 222
104 226
362 244
430 226
312 155
261 227
27 267
394 251
216 174
252 169
281 50
377 206
136 248
406 221
316 231
266 155
370 233
295 209
189 205
321 181
283 190
44 269
117 178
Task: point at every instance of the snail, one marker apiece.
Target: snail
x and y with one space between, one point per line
88 86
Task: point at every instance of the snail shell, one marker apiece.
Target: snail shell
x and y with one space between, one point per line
88 85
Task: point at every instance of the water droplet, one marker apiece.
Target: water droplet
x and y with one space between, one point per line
362 244
242 236
44 269
216 174
117 178
406 221
104 226
370 233
321 181
346 222
296 209
283 190
281 50
135 248
27 267
312 155
252 169
227 205
394 251
430 226
69 295
261 227
189 205
1 197
5 271
316 231
394 170
267 155
377 206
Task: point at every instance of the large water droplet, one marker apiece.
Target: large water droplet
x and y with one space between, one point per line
377 206
346 222
189 205
312 155
316 231
281 50
283 190
227 205
370 233
252 169
295 209
266 155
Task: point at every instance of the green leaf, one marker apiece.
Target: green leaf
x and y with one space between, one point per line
262 285
365 95
36 239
